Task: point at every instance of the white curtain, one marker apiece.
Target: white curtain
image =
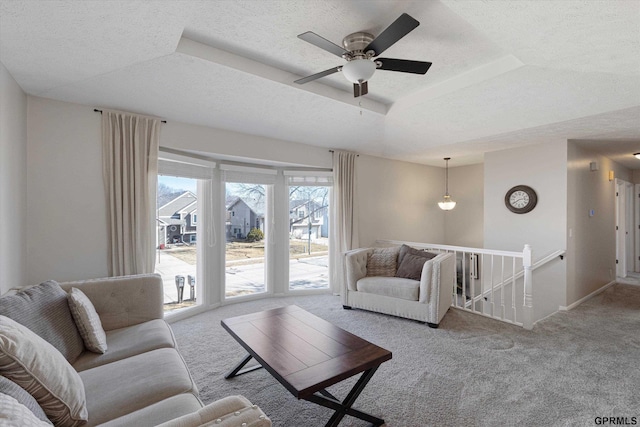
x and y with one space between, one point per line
344 228
130 167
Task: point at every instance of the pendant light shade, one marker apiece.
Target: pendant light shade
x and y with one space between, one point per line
446 204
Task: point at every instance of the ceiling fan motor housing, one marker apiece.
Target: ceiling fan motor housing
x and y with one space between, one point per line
355 44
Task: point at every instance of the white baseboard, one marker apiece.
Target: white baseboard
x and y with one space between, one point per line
591 295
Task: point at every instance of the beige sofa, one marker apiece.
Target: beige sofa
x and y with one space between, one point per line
426 299
141 380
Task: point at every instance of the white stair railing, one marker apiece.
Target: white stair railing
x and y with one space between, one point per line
490 282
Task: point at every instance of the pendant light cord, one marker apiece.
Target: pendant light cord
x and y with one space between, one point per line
446 177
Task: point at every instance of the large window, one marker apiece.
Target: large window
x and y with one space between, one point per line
228 231
308 231
246 239
176 249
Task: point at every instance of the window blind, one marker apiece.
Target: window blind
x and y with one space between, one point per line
249 175
309 178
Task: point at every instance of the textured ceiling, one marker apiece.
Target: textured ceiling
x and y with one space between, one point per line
505 73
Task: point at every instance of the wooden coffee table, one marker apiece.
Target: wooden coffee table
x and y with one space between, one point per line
306 355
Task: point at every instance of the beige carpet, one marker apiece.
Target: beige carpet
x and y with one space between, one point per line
472 371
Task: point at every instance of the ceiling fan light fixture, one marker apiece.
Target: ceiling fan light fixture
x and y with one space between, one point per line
358 70
636 155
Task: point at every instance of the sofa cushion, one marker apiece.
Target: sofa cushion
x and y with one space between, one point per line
35 365
14 413
9 388
382 262
44 310
411 267
87 321
129 341
406 249
125 386
395 287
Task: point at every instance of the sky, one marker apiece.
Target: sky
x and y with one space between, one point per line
178 183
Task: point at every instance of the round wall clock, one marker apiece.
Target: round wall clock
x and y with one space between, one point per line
521 199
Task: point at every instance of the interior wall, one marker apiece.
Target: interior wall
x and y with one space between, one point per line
464 225
591 250
544 168
399 201
13 183
66 204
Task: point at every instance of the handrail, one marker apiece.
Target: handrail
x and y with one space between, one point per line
550 257
537 264
455 248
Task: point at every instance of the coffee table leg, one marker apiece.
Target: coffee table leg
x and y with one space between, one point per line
238 369
344 408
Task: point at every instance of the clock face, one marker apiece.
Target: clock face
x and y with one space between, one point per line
521 199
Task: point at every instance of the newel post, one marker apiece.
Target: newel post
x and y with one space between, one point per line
527 308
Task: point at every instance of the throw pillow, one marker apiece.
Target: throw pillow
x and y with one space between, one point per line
40 369
411 267
382 262
14 413
87 321
8 387
404 250
44 310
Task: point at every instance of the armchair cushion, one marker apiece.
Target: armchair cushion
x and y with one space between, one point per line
382 262
395 287
411 267
408 250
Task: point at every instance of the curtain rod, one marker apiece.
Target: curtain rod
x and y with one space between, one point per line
332 151
100 111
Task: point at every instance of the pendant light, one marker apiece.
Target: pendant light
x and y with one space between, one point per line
446 204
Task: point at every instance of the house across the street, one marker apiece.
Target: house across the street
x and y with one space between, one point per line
241 218
177 220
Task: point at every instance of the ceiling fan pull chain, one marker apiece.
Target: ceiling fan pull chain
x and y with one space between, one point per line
360 104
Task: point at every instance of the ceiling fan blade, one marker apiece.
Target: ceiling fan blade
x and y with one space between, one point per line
322 43
403 65
318 75
394 32
360 89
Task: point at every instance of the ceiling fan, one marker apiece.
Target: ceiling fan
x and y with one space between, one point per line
359 50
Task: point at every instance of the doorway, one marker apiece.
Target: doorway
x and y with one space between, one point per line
626 261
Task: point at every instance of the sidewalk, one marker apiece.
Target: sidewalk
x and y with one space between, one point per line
304 273
168 267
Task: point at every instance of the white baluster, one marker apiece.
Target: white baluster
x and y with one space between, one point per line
502 290
527 309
